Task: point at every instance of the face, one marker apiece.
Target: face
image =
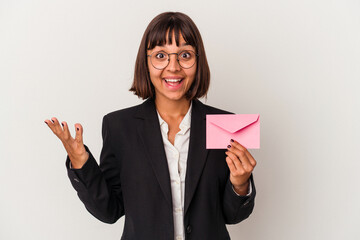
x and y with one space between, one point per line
172 82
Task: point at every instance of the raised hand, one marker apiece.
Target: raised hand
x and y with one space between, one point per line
73 146
241 164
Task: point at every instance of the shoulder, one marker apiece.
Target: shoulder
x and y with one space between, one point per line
143 110
122 114
210 109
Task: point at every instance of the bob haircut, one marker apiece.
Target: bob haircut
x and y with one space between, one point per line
155 35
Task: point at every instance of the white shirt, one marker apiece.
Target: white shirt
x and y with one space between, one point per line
176 156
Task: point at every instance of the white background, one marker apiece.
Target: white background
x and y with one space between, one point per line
296 63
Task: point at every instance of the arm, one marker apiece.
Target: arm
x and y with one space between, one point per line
239 194
99 188
238 207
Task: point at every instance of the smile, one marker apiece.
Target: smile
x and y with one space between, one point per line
173 80
173 84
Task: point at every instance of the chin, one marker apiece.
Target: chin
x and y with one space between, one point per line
176 98
173 97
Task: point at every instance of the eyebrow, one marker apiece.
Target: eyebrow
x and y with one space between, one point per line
181 45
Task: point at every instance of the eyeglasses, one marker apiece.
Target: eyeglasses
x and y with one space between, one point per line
161 59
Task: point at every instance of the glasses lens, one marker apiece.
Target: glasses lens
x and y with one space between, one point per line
159 59
187 58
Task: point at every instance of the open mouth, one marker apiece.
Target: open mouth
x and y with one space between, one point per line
173 82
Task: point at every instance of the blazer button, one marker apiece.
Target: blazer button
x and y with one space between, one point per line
188 229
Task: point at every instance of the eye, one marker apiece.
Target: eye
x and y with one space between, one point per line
185 55
160 55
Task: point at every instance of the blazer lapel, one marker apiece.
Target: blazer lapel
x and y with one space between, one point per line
197 151
150 133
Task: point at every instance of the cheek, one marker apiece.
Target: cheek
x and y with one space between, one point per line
154 76
192 73
152 72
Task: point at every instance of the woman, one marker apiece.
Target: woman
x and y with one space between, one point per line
154 167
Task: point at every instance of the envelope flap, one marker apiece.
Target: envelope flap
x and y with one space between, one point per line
233 122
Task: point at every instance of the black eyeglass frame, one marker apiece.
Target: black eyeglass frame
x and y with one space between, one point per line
177 58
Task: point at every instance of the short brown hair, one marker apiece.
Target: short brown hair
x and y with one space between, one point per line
155 35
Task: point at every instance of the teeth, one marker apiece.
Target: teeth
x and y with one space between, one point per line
173 80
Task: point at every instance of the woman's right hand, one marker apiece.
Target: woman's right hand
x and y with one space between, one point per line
73 146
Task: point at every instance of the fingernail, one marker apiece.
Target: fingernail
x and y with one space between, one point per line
232 140
77 129
45 122
52 121
229 146
62 124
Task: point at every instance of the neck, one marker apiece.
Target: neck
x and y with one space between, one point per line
172 109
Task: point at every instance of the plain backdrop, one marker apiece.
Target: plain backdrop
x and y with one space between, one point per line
296 63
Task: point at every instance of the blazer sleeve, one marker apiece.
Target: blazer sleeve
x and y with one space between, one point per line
237 208
99 187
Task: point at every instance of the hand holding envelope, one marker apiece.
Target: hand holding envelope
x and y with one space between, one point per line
241 131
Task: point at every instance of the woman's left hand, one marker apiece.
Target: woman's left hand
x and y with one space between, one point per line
241 165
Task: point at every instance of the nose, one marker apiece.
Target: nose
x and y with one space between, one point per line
173 63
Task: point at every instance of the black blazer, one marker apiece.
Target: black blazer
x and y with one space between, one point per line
133 179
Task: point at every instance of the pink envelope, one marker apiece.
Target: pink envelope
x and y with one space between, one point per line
244 128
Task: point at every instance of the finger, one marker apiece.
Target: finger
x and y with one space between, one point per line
241 155
79 132
237 145
57 128
48 122
235 160
230 165
251 159
67 134
241 148
52 126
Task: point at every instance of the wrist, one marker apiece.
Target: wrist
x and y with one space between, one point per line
77 163
242 189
